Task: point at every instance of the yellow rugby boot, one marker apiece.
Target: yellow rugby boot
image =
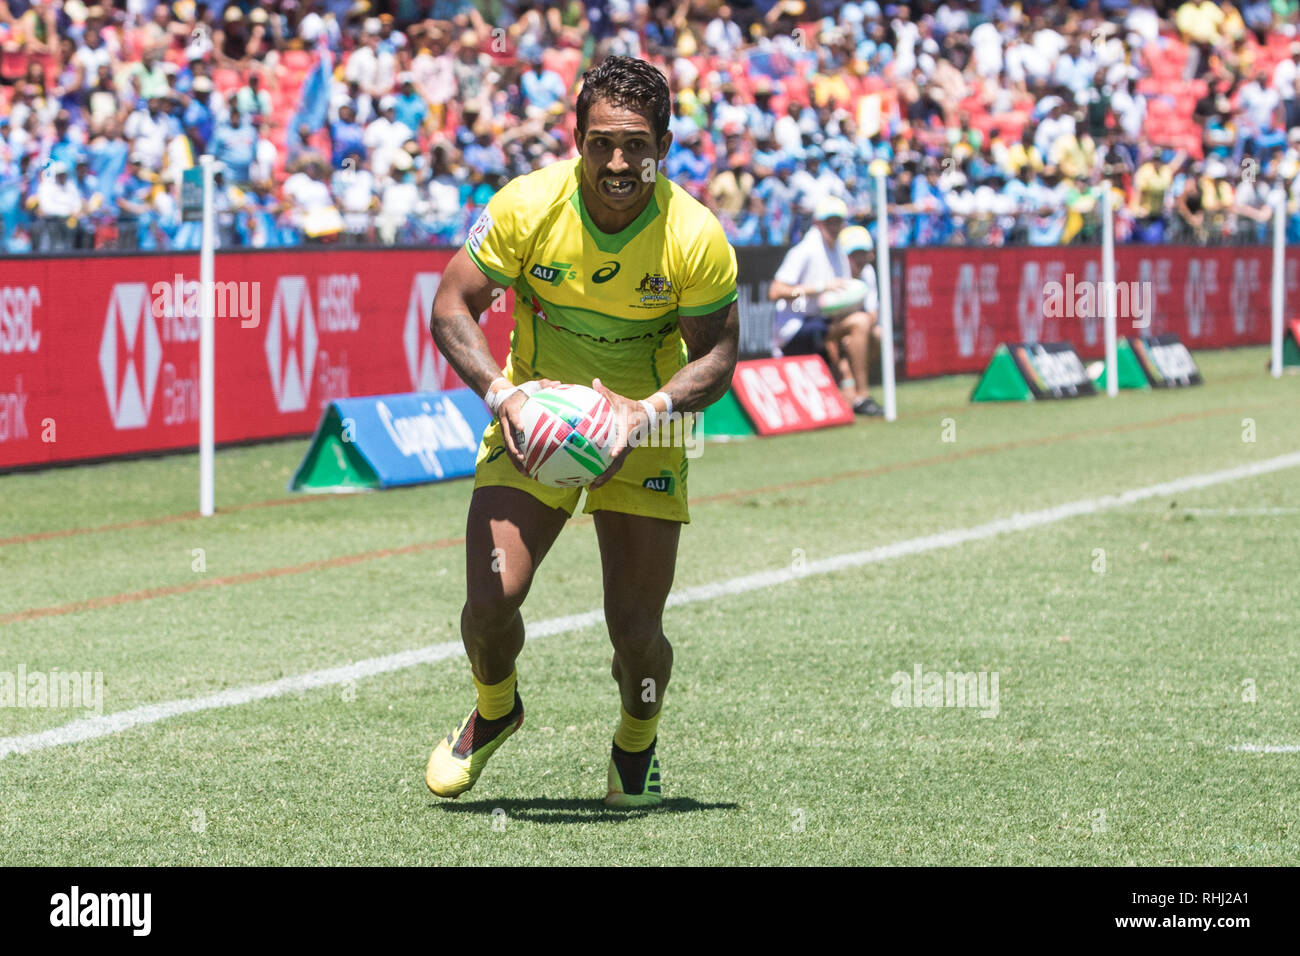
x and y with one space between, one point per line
459 758
633 779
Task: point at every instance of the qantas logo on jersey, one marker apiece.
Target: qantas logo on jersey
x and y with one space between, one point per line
540 313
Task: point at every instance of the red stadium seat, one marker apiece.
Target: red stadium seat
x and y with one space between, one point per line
226 80
296 61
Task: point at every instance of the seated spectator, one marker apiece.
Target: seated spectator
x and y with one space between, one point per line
813 266
854 342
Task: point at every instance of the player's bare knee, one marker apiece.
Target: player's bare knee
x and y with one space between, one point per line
638 643
490 612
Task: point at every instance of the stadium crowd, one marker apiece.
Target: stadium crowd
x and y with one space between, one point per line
395 122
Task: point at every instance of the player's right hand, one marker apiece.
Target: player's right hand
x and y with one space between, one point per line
511 417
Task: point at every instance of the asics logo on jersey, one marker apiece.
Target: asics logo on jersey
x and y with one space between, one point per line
606 272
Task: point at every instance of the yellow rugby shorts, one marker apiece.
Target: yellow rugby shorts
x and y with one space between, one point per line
652 481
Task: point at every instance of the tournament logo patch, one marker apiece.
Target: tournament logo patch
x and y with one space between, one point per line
481 228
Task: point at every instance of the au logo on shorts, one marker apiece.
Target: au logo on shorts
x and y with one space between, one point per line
664 483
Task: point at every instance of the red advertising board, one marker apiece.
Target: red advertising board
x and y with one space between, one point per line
961 302
100 356
789 394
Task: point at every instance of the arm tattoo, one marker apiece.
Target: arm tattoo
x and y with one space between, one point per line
711 345
463 344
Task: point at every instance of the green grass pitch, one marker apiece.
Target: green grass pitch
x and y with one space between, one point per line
1134 648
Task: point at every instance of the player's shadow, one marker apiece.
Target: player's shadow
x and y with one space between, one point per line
553 810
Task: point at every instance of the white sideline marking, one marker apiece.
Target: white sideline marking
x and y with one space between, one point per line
103 725
1236 512
1266 748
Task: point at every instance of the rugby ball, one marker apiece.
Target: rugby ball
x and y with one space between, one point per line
569 433
834 303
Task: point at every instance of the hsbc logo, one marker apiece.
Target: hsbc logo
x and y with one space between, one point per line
1202 282
130 354
966 310
428 368
291 342
973 290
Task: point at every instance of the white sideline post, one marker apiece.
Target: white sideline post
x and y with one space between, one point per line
207 306
1279 280
884 289
1108 284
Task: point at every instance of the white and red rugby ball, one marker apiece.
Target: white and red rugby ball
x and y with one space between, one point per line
835 303
569 433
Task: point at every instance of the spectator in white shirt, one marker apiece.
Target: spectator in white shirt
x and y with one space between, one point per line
986 43
723 35
1285 73
146 129
57 200
400 199
385 137
818 264
1259 103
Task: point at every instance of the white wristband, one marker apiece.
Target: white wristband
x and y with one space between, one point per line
650 412
668 402
495 396
495 399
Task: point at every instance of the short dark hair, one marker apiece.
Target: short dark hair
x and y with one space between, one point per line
631 83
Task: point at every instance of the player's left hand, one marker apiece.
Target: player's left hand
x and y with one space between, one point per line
631 417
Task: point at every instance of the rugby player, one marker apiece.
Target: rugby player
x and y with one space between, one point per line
623 281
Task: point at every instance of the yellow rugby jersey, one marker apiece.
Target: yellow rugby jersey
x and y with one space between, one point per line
590 304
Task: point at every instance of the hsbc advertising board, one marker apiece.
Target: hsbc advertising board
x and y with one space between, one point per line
99 357
960 303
